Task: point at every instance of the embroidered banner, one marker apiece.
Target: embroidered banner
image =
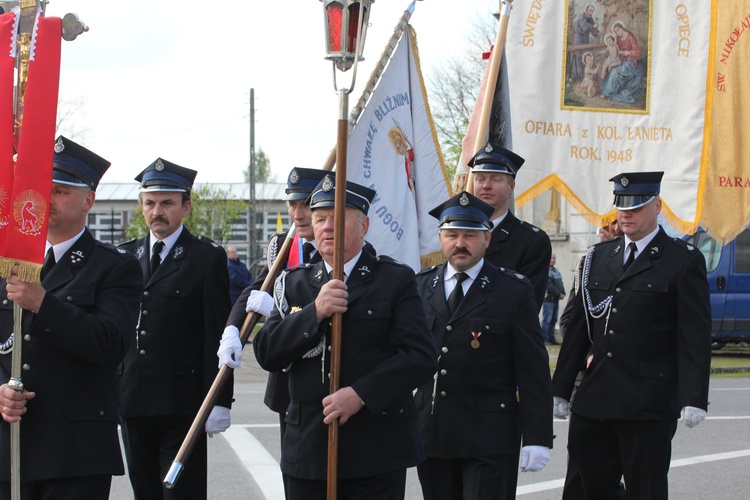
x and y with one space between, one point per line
603 87
726 195
393 149
29 199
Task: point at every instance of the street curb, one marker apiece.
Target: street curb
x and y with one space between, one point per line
731 369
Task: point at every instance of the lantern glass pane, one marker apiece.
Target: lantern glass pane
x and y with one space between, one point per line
334 12
353 32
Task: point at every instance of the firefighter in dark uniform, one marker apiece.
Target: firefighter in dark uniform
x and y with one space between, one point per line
641 330
300 184
485 327
386 353
172 362
77 325
515 244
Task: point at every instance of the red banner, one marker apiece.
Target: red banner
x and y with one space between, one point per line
6 123
30 196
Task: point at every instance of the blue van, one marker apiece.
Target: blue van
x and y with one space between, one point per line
728 270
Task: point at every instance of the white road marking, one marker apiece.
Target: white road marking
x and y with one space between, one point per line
266 473
715 457
263 468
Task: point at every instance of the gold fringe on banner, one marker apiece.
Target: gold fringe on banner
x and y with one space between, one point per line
30 272
6 267
593 218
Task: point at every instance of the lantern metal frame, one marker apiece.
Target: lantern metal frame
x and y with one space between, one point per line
345 35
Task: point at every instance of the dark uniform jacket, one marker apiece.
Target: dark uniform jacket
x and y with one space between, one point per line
476 411
386 353
277 394
519 246
652 350
71 351
172 362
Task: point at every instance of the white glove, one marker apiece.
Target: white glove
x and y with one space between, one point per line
218 421
230 348
561 409
534 458
692 416
260 302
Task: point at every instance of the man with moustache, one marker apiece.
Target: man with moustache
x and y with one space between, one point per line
386 352
76 327
492 390
515 244
641 329
172 363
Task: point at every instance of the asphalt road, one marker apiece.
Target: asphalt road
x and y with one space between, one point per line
710 461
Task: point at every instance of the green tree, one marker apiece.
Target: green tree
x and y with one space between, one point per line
453 87
262 168
212 215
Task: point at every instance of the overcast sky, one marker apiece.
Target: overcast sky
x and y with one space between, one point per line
171 79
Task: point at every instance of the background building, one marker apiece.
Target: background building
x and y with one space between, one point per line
116 202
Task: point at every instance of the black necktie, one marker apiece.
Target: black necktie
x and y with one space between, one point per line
633 248
457 294
49 262
307 250
155 258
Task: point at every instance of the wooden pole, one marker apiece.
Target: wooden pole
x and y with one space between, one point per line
339 220
221 379
489 90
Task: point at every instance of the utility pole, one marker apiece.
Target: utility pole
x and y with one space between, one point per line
251 233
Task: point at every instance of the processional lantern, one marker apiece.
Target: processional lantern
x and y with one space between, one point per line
345 29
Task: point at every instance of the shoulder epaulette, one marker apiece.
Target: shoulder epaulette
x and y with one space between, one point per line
114 249
124 243
530 227
389 260
684 245
208 241
511 273
304 265
427 270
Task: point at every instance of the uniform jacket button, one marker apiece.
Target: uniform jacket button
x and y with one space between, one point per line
609 354
69 298
26 367
142 352
27 337
145 294
444 350
443 372
448 328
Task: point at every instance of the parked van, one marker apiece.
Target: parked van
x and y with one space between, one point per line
728 269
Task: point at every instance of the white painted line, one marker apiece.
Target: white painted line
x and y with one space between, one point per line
710 458
537 487
263 468
682 462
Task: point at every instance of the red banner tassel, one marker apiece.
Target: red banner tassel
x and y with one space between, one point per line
32 183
